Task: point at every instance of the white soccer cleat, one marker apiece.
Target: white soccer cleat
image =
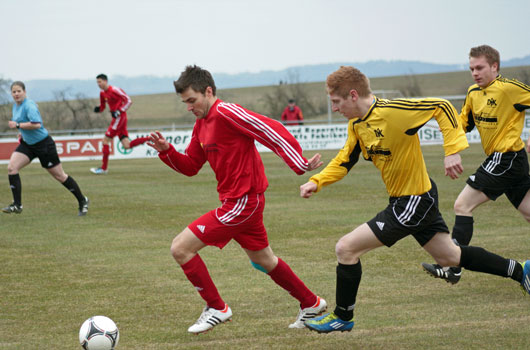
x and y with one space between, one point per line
98 171
309 312
210 318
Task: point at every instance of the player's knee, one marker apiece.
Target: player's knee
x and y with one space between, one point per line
178 252
461 208
343 250
11 170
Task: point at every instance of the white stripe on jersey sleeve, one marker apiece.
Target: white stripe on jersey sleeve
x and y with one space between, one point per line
273 136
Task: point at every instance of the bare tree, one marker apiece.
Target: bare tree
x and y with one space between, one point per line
71 111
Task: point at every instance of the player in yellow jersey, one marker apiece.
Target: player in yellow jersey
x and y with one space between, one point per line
385 132
496 107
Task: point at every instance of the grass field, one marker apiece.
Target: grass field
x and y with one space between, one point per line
59 269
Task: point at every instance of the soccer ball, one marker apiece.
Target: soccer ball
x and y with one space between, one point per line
99 333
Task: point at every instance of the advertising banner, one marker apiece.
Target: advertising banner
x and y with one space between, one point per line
310 137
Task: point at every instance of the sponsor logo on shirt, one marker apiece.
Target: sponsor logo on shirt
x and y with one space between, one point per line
492 102
201 228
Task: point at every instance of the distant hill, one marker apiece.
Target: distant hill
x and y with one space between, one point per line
43 90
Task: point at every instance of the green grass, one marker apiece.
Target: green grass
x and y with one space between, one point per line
59 269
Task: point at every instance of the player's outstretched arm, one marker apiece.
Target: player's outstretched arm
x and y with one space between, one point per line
158 142
528 145
307 189
453 165
314 162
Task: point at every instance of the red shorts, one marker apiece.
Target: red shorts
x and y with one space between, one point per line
118 127
240 219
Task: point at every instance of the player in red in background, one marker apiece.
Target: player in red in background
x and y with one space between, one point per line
118 102
224 135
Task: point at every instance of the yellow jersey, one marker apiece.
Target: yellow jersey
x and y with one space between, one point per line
387 135
498 113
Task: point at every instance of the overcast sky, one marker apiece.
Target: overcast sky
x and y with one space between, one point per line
73 39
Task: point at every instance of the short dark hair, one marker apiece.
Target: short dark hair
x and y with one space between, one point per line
196 78
102 77
18 83
291 100
492 55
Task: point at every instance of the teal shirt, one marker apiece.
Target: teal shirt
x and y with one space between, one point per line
28 111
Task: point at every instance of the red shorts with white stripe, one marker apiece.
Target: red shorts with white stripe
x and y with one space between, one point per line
118 127
240 219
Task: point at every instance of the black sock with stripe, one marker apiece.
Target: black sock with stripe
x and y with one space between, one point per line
348 280
480 260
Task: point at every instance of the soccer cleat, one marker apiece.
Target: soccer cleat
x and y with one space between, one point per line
210 318
446 273
525 282
309 312
329 323
98 171
13 208
83 207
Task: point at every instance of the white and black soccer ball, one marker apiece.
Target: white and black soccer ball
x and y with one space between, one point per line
99 333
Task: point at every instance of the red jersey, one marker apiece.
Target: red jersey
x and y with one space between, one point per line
225 138
294 116
116 98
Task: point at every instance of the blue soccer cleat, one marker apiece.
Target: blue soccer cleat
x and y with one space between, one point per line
525 283
329 323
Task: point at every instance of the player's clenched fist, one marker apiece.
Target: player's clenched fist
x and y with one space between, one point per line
307 189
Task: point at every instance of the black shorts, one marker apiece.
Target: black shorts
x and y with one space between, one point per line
409 215
45 150
503 173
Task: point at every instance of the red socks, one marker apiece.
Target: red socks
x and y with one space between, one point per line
106 152
197 273
138 141
288 280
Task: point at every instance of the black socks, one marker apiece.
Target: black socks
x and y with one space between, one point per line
348 280
16 188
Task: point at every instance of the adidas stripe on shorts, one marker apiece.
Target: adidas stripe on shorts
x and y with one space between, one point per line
409 215
503 173
240 219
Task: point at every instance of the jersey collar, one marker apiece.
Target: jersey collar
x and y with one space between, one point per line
372 106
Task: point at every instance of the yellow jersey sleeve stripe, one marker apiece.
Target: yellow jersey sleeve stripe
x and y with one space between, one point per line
423 105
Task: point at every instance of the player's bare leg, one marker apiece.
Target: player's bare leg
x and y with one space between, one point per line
524 207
